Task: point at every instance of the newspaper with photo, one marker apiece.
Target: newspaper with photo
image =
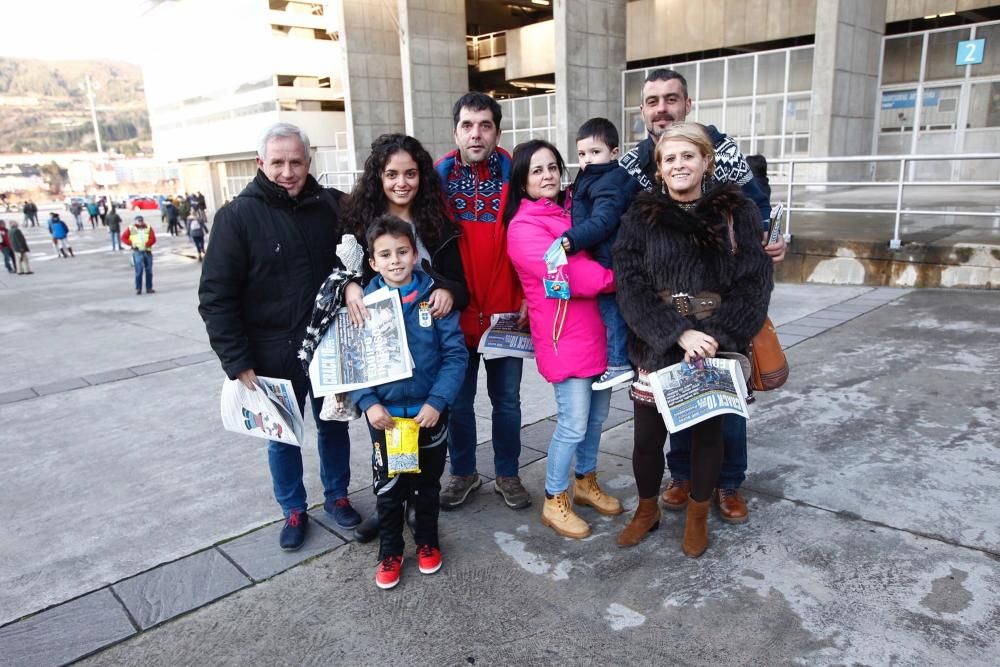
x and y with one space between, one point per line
349 357
271 412
690 393
505 339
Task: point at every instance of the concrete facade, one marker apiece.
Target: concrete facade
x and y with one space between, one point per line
590 56
373 94
434 68
845 79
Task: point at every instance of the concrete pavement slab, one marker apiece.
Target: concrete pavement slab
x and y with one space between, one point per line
788 340
172 589
893 417
791 301
62 385
110 376
67 632
17 395
257 552
154 367
800 329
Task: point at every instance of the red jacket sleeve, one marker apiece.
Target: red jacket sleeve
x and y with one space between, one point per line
152 238
125 237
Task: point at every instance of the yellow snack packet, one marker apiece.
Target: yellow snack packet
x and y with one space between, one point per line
402 447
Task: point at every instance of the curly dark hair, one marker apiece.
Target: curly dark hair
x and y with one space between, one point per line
368 200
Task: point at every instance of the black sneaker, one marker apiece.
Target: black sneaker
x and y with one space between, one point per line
343 514
367 530
458 489
294 532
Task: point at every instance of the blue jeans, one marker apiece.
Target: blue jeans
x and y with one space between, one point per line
143 262
503 382
580 414
79 222
285 461
617 331
734 453
8 260
116 242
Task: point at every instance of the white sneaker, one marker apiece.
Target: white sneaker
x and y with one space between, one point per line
612 377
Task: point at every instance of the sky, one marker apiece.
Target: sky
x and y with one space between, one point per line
74 29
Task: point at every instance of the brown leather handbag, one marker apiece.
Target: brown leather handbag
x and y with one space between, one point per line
769 367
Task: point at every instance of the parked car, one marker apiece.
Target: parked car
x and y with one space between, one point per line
144 203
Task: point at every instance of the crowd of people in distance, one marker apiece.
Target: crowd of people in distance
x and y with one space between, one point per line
678 217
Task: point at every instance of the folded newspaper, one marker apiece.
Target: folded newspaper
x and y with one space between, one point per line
271 412
349 358
687 394
505 339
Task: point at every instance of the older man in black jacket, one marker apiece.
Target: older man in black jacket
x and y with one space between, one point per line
272 247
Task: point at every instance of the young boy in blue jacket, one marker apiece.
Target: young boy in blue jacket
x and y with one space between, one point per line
599 201
439 358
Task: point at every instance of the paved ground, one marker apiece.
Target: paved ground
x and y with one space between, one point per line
872 538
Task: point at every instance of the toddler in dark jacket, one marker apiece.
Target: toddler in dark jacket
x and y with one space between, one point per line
598 203
439 358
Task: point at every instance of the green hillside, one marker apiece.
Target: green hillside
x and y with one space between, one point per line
43 106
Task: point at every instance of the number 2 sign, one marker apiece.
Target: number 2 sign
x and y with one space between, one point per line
970 52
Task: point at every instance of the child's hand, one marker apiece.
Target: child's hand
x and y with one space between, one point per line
427 417
379 417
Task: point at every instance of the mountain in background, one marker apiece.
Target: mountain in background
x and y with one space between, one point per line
44 107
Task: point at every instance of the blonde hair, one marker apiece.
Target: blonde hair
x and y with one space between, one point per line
694 133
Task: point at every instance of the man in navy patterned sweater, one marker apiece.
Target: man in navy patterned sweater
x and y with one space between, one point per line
665 101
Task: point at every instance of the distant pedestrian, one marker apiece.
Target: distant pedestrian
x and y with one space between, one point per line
114 223
102 210
92 213
173 219
20 247
141 238
34 213
197 230
26 209
6 249
76 208
60 235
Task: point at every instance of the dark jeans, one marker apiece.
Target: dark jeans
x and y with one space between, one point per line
285 460
8 259
199 243
617 331
734 457
503 383
143 262
422 489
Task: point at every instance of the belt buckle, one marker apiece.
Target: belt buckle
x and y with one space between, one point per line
682 302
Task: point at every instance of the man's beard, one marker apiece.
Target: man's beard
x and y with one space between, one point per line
658 131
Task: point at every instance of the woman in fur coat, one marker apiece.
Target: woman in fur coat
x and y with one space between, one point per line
697 240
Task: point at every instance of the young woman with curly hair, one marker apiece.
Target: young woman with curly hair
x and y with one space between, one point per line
399 178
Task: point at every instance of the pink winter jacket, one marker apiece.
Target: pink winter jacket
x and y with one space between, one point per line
581 348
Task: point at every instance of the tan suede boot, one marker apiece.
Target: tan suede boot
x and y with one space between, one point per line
696 528
645 520
587 491
559 516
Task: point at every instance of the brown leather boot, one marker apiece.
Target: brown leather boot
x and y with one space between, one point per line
645 520
696 528
675 497
732 506
587 491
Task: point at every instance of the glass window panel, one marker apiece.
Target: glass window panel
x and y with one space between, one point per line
507 114
768 119
991 55
771 73
984 105
633 88
744 145
769 148
800 69
942 48
635 129
540 111
940 108
738 117
740 77
901 62
896 112
690 74
797 145
711 80
522 113
797 114
710 113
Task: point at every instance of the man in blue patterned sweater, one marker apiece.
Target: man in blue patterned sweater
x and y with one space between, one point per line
665 101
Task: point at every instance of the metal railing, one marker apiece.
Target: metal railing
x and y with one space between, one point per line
900 183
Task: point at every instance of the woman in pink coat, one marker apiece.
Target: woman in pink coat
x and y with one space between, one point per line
568 333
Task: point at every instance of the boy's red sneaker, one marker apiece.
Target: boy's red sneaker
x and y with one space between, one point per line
387 573
428 559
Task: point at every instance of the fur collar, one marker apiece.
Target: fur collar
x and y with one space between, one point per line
707 223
